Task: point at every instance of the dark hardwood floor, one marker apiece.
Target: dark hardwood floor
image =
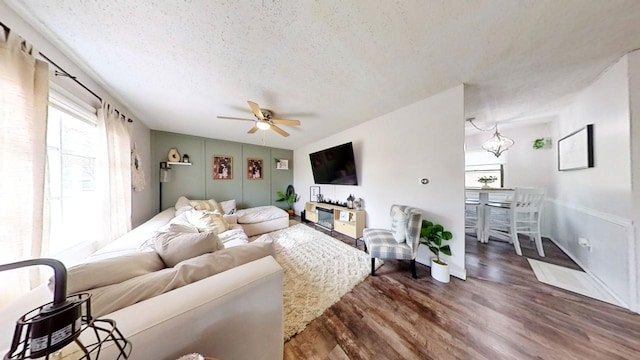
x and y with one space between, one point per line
500 312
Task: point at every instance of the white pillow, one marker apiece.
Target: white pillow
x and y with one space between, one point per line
207 221
228 207
175 227
183 210
230 219
176 247
399 225
182 202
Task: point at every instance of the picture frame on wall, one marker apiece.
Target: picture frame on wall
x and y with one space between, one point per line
314 191
255 169
222 167
282 164
575 151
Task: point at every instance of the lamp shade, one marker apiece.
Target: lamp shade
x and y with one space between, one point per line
263 125
498 144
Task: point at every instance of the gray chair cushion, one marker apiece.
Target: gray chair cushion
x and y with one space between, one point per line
383 245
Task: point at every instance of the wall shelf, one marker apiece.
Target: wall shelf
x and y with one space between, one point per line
179 163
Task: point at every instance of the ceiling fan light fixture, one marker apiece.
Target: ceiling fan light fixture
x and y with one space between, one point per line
498 144
263 125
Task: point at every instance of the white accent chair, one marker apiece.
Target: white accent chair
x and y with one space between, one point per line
521 215
383 244
471 212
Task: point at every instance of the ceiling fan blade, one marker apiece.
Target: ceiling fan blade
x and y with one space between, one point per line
279 131
256 110
252 130
286 122
234 118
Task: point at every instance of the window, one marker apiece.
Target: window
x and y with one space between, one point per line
74 195
473 172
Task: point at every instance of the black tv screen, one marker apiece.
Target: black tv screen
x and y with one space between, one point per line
335 165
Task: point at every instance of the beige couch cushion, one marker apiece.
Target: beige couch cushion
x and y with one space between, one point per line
110 298
111 271
174 247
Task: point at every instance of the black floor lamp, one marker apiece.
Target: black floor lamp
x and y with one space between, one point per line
165 176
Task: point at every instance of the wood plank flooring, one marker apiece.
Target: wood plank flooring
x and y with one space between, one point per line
500 312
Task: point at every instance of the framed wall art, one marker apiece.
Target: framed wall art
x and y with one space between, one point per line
575 151
314 191
254 169
222 167
282 164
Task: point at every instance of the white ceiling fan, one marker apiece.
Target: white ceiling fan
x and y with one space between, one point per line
264 120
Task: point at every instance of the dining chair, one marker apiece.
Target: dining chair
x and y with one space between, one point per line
471 209
401 242
521 215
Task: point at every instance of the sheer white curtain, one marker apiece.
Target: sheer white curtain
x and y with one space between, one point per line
24 87
118 168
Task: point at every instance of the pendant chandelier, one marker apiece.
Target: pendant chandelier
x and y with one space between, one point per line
498 143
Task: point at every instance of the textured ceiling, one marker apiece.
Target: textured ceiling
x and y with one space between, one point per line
333 64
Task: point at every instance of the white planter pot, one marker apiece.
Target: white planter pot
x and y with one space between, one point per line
439 272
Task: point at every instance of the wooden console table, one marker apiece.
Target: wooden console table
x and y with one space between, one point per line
346 221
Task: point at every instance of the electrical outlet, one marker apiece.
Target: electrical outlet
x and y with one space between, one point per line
584 242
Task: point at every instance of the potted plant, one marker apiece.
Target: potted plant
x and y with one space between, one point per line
487 180
434 236
290 197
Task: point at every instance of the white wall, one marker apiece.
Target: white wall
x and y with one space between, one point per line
595 203
524 166
393 151
143 207
634 99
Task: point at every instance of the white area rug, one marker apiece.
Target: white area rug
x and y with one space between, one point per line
318 271
569 279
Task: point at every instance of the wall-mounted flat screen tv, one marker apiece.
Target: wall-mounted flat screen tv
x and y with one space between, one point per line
335 166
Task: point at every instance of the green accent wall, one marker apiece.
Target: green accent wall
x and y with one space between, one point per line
196 181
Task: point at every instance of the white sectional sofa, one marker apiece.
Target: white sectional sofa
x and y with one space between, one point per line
235 314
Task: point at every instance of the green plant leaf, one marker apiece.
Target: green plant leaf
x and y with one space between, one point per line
446 250
438 228
437 240
447 235
434 250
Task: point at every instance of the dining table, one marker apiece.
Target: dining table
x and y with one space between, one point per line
482 231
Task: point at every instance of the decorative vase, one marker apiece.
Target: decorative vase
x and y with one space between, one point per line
439 272
486 186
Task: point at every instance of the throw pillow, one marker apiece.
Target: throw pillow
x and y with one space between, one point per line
176 247
182 202
174 227
228 207
399 225
230 219
183 210
207 221
210 205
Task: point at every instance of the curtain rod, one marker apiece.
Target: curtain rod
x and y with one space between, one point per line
63 72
